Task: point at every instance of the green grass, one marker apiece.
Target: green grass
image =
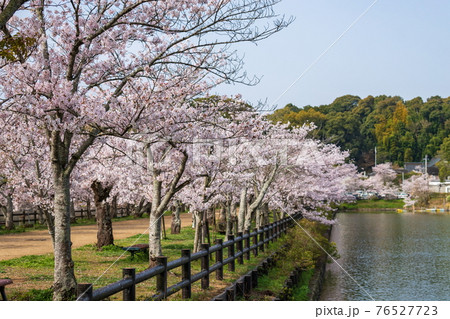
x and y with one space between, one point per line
301 252
21 229
373 203
35 295
30 261
300 293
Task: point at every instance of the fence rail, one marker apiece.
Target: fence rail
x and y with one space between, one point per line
238 248
31 217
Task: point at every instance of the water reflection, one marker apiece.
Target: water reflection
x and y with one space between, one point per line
393 256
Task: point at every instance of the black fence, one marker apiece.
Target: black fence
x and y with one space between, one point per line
32 217
238 248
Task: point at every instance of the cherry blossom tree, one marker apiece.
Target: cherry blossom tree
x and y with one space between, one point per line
8 9
382 180
94 58
417 186
26 181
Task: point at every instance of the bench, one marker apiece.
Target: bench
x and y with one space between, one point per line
136 249
3 283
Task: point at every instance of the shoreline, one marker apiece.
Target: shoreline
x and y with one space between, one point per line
433 211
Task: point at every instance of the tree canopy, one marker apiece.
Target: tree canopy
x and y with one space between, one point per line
402 130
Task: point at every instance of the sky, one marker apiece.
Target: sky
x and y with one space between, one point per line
399 47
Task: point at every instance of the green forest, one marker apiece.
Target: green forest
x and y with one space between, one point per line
402 131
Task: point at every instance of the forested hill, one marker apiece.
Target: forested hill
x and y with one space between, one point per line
403 131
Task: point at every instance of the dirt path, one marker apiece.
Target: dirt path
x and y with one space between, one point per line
39 242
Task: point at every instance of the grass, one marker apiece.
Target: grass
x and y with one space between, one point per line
33 275
373 204
30 261
35 295
301 291
301 252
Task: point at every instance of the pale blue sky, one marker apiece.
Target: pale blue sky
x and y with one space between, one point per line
400 47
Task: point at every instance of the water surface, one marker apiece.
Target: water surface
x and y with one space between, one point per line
391 256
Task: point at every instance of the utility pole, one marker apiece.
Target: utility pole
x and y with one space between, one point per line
426 165
375 156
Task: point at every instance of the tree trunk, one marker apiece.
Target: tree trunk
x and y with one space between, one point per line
259 217
229 229
265 215
114 207
211 216
73 217
257 201
64 286
103 217
206 223
154 238
199 236
142 208
50 221
41 217
222 224
9 218
88 208
242 209
175 227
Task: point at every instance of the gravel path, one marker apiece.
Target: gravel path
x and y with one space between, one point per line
39 242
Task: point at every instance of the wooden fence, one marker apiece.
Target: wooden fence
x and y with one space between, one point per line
31 217
238 248
243 287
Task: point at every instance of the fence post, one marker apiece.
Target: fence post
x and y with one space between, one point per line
261 239
277 230
161 279
272 232
231 293
280 229
239 248
205 266
84 291
219 259
247 245
129 294
255 242
247 285
23 218
186 273
231 253
254 275
267 236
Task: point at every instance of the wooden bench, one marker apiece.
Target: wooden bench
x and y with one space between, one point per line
3 283
136 249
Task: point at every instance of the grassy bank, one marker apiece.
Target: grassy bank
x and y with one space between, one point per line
301 252
373 204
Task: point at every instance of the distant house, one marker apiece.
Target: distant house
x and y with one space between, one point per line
437 187
413 166
432 169
435 184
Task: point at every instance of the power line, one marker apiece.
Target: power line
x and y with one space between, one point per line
320 56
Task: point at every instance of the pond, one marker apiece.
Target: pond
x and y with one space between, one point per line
390 256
